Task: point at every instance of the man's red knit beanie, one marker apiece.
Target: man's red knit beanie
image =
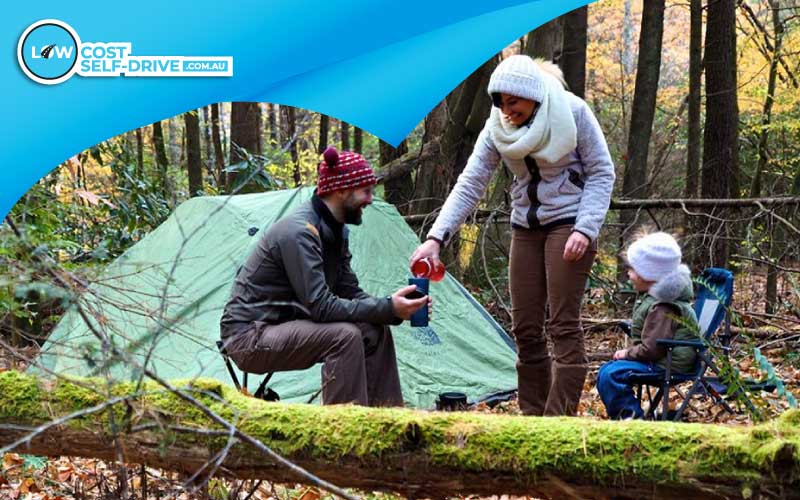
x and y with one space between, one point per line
343 170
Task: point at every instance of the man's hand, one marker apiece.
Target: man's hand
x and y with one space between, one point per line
620 354
576 246
429 249
405 307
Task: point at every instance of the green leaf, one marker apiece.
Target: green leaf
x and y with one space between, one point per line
33 462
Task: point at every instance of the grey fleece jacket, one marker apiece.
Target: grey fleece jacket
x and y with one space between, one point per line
576 189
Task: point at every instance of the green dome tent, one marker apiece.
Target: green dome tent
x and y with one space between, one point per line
162 301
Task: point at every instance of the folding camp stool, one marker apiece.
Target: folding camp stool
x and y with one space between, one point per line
263 392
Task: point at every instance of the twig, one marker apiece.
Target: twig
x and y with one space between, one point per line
668 203
771 316
143 475
254 489
486 267
322 387
61 420
216 461
772 213
778 341
177 428
768 263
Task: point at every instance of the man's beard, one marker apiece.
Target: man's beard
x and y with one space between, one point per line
352 215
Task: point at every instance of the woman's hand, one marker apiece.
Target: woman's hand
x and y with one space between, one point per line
620 354
576 246
429 249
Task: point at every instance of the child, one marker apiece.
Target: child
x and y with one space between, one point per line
665 312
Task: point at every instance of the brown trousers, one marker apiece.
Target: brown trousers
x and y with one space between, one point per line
358 360
539 277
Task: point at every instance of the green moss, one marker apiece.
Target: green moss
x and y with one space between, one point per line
67 397
789 421
609 452
20 397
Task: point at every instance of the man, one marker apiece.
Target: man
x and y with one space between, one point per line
296 301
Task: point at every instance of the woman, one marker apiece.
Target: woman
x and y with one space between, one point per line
563 177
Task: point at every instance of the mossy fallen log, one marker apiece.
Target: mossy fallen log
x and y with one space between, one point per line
416 453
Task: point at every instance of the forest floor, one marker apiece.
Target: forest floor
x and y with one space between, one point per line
26 477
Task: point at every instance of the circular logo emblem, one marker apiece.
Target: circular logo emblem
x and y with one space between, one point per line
48 51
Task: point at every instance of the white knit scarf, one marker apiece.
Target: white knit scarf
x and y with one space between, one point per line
549 137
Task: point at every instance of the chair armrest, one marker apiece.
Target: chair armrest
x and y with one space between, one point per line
681 343
625 326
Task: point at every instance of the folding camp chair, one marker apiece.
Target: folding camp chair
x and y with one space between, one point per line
263 392
712 301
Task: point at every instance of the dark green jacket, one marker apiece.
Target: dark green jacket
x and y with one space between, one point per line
300 269
674 292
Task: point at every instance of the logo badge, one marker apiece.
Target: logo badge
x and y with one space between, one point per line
48 51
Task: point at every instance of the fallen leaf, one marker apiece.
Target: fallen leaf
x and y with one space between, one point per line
89 196
11 460
28 485
310 494
64 473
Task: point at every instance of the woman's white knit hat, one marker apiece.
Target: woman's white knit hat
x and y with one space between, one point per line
654 256
518 76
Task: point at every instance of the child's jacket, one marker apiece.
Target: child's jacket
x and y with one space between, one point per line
665 312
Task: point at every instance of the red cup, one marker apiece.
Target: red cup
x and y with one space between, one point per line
424 268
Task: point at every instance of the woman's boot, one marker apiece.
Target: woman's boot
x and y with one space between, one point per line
565 391
533 385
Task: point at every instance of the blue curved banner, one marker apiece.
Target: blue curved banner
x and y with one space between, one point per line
77 74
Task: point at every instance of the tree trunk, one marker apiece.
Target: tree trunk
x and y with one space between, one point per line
796 183
545 41
272 119
766 113
194 161
776 251
345 136
407 163
573 59
634 182
767 48
434 177
161 156
290 140
399 191
720 171
174 141
324 126
775 248
208 142
694 124
451 129
358 140
219 162
139 154
628 64
643 109
417 454
695 73
454 124
245 134
302 121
